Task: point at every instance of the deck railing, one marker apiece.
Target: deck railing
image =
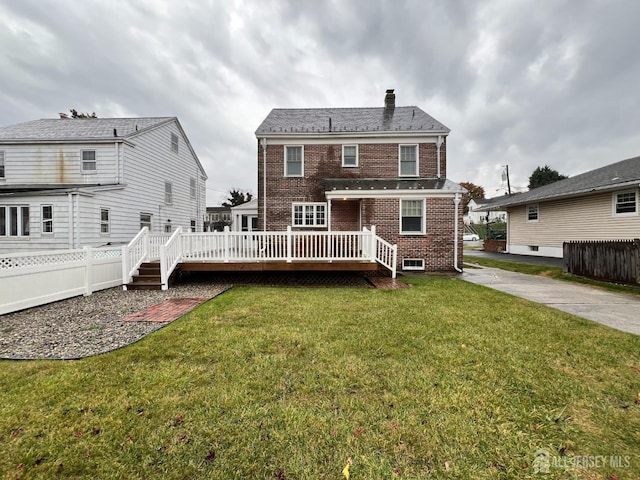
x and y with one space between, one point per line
227 246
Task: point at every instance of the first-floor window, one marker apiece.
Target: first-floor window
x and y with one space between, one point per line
626 203
532 213
167 228
412 216
47 219
310 214
145 220
193 225
105 220
14 221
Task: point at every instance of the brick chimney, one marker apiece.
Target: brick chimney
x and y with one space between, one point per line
390 99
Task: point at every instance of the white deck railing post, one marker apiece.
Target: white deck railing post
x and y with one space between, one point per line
226 244
373 244
125 266
289 246
394 263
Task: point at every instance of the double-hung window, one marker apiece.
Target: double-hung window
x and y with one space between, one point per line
192 187
174 143
168 193
105 220
47 218
408 160
89 161
145 220
309 214
1 164
532 213
293 161
412 219
14 221
625 203
349 155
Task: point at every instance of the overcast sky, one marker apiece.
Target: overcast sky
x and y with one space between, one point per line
523 83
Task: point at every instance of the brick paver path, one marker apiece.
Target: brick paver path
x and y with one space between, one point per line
167 311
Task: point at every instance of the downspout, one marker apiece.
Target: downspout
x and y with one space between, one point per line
438 145
263 142
456 201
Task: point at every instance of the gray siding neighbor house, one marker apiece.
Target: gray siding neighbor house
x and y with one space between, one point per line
601 204
70 183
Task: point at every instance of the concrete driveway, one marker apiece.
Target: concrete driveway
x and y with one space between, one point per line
617 310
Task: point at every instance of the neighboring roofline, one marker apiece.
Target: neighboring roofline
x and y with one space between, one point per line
561 196
52 190
26 141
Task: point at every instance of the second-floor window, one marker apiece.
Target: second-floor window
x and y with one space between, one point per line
408 160
309 214
88 161
293 161
47 218
192 187
14 221
349 155
168 193
174 143
1 164
625 203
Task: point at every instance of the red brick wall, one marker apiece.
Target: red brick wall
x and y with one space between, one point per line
375 161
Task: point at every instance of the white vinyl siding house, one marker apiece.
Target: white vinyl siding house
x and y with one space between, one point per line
128 180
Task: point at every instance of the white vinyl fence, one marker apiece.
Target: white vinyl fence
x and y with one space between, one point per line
31 279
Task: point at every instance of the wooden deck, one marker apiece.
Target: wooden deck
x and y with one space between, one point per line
280 266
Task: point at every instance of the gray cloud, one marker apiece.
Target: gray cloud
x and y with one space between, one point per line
520 83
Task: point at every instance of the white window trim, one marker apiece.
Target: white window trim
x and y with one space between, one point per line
416 268
314 205
95 160
615 204
43 220
301 157
168 193
423 230
19 222
537 212
417 174
174 145
107 223
357 156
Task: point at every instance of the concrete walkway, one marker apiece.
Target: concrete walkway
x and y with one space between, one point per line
617 310
510 257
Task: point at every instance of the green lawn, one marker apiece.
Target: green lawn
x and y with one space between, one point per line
443 380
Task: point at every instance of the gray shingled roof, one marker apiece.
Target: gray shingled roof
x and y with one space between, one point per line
78 129
616 175
306 120
392 184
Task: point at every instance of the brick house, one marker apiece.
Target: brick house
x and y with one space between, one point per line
342 169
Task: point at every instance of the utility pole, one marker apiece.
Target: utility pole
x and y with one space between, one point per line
505 176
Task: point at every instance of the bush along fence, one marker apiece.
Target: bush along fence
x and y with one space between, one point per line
613 261
31 279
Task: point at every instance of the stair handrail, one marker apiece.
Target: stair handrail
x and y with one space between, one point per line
134 254
386 254
170 256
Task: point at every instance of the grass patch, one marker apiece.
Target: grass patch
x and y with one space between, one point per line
551 272
443 380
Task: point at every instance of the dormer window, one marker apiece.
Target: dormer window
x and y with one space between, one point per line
408 161
89 161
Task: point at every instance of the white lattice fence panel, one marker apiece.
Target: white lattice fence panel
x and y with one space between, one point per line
8 262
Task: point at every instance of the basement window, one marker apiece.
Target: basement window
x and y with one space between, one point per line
412 264
534 248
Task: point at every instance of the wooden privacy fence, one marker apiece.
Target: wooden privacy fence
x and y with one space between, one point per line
611 260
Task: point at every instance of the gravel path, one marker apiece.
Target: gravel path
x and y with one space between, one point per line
84 326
